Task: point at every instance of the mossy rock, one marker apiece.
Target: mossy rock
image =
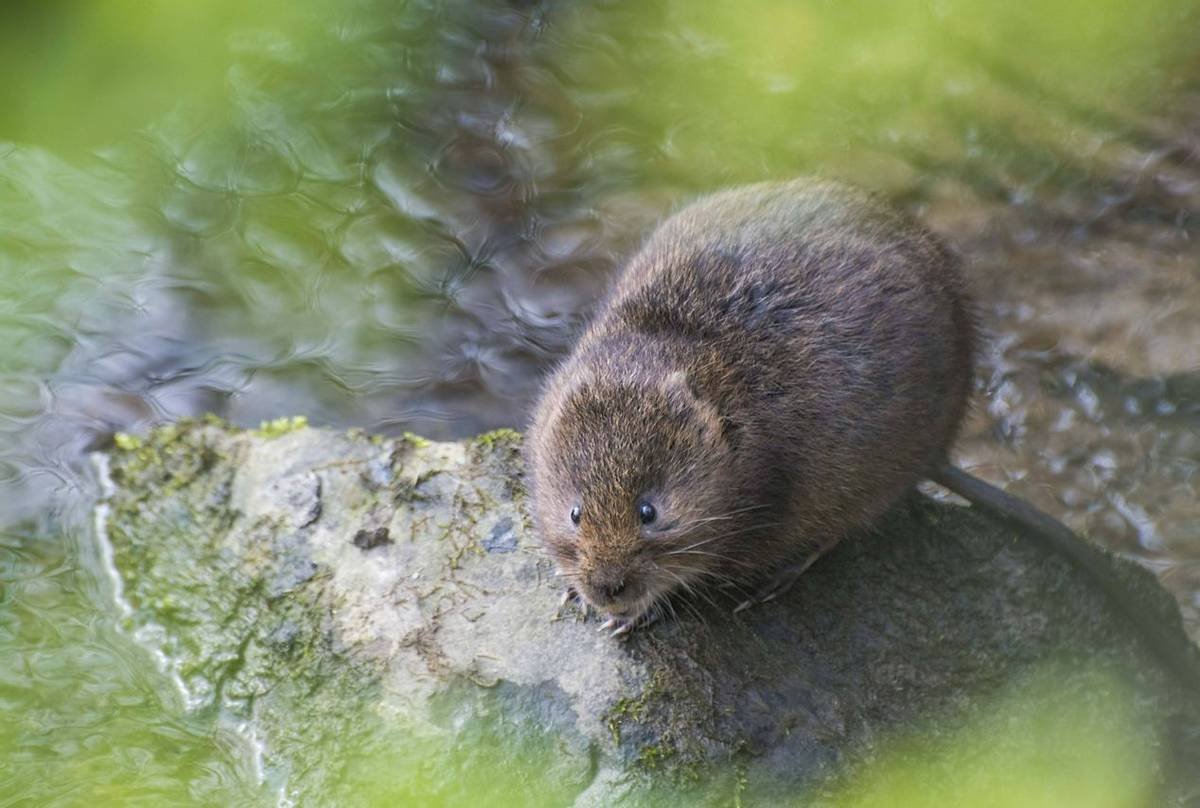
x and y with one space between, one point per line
288 573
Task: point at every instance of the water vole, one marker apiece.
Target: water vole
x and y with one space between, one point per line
776 366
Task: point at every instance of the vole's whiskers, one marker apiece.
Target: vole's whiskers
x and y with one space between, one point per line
693 549
700 618
728 514
717 576
719 557
700 543
721 517
662 605
751 528
687 586
689 590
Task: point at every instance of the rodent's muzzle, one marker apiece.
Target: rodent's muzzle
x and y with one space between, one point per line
607 586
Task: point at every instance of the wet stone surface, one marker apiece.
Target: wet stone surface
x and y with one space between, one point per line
250 544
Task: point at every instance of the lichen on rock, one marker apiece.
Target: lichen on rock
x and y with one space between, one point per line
302 579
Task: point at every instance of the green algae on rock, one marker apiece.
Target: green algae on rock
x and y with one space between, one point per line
241 558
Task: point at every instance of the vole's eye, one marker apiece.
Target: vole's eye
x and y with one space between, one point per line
575 514
647 513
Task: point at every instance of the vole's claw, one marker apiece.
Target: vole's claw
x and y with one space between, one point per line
620 626
624 628
617 627
571 595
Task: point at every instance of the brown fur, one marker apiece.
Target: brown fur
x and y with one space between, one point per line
776 366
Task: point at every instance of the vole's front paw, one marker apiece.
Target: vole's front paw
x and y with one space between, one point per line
572 596
621 626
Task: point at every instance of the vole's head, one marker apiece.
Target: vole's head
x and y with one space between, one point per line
630 481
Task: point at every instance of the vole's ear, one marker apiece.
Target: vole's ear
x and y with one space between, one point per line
716 427
679 383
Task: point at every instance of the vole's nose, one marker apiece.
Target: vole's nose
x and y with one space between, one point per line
607 584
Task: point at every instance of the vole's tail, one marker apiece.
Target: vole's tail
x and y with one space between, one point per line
1053 533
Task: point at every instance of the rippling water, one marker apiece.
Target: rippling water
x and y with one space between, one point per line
395 215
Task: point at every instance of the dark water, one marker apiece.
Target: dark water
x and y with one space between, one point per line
395 215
